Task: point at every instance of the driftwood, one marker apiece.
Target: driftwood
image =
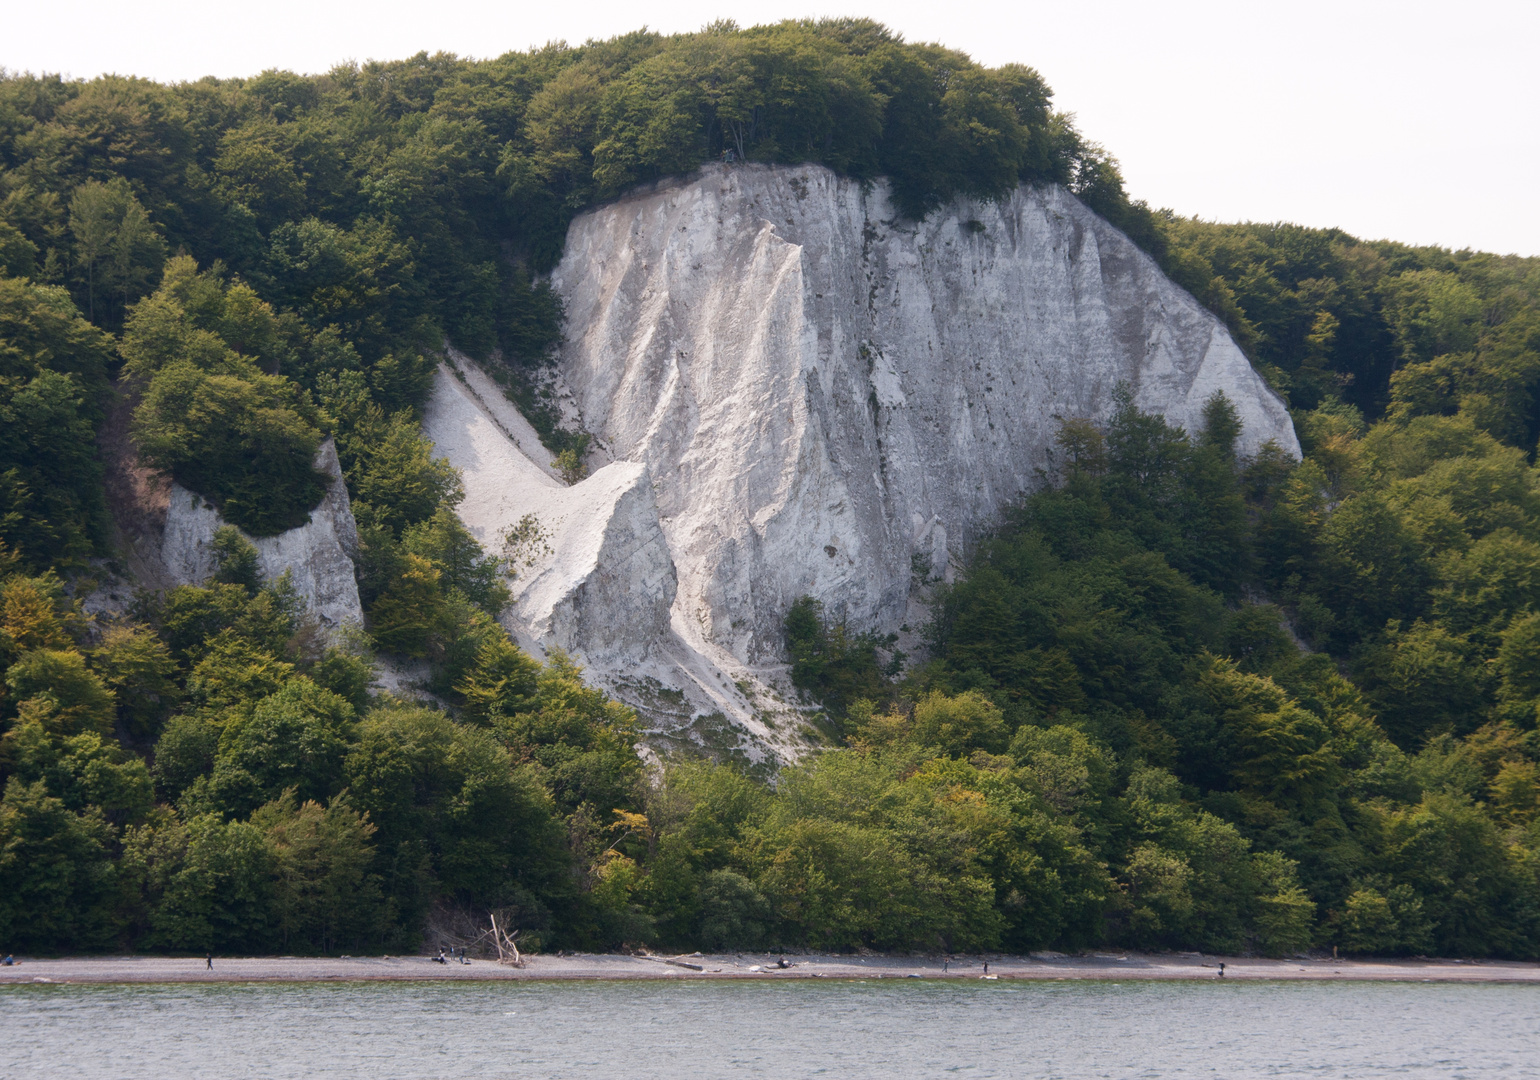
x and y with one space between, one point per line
507 948
464 929
675 962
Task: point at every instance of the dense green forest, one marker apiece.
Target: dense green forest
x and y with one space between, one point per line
1180 700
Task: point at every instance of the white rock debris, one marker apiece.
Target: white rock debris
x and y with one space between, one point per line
317 555
797 393
592 573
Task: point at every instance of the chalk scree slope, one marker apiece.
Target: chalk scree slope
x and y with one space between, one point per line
794 392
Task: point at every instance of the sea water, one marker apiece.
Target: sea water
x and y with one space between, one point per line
793 1028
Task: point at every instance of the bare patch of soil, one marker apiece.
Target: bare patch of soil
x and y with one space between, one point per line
137 495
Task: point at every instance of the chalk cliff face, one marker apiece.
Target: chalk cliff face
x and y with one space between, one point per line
317 555
591 568
809 392
817 386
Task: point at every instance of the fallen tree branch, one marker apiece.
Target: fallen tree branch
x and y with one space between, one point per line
500 938
675 963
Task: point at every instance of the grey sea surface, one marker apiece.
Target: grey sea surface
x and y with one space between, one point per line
856 1029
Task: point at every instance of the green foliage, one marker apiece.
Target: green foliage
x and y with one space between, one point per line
500 683
537 404
1391 329
85 773
582 742
1423 682
393 477
53 379
295 740
570 465
34 613
955 726
1117 740
233 673
289 820
1245 795
454 813
838 666
18 255
378 210
346 671
326 895
734 915
190 619
210 416
345 227
220 895
416 563
54 871
137 668
1384 923
404 596
236 559
184 752
118 251
445 543
55 688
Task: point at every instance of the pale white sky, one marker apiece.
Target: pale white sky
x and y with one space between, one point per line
1414 121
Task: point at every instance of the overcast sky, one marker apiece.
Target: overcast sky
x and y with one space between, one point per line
1413 121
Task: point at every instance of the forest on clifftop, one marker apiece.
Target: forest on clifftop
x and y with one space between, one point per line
1179 700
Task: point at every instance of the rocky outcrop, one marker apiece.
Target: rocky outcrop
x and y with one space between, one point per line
826 390
317 556
816 397
590 568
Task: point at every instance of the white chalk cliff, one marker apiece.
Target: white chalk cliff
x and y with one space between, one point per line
792 391
317 555
593 574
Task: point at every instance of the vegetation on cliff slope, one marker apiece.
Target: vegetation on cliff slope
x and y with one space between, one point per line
1179 700
1233 788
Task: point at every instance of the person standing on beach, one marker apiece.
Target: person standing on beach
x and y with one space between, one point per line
210 959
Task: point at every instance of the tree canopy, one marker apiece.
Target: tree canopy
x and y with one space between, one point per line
1177 699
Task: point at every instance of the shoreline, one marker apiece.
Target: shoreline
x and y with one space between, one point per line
1038 967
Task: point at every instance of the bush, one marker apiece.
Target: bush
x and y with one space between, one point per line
245 442
56 687
55 874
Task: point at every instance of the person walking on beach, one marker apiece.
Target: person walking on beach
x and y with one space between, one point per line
210 959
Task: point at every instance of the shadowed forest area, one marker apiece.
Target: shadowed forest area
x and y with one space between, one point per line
1180 700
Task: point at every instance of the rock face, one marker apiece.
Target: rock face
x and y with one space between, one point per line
316 555
592 573
812 393
818 387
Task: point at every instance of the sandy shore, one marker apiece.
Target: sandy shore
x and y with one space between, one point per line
1041 966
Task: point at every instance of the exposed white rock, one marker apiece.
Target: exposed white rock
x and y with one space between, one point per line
490 400
592 574
316 555
812 392
824 390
